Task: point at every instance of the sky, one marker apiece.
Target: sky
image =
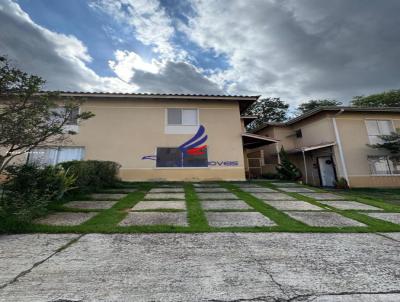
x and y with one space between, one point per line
293 49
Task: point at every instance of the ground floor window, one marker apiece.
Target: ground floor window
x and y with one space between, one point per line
54 155
380 165
175 158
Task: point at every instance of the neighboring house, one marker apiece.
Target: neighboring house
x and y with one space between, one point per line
329 143
159 136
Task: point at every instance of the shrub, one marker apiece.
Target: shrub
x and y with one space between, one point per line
92 175
29 189
341 184
286 169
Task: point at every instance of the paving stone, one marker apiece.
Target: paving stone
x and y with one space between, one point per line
349 205
155 218
258 190
167 190
293 205
206 185
323 196
237 219
224 204
90 204
273 196
152 205
211 190
286 184
391 217
161 196
65 218
216 196
107 196
120 190
297 190
246 185
324 219
170 185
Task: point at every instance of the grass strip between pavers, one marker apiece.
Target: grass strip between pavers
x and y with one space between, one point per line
280 218
106 221
196 216
373 224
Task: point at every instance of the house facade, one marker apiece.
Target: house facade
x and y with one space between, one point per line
159 137
330 143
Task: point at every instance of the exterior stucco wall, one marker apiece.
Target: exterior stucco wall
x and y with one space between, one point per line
124 131
354 137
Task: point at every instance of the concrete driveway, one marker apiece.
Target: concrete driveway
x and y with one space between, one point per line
200 267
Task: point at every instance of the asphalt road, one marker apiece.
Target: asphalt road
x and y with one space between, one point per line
200 267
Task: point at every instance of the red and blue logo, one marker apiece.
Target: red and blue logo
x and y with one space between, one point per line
193 146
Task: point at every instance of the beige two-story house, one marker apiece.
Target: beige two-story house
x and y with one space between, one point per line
159 136
329 143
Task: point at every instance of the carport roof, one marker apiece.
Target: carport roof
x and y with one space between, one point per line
251 141
311 148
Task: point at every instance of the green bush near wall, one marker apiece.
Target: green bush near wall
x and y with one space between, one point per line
92 175
29 189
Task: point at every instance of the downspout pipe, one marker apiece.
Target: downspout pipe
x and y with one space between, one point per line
340 148
305 164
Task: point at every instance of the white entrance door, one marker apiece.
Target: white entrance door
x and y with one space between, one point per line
326 171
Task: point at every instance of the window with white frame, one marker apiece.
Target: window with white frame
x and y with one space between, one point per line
375 128
72 119
182 117
53 155
384 165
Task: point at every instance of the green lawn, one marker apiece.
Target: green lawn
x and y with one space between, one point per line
106 221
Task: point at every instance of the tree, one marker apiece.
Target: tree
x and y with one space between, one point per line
267 110
389 142
389 98
29 118
312 104
286 169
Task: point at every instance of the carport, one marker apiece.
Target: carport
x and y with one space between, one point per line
254 157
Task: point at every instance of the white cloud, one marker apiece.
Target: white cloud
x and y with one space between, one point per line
127 62
58 58
148 20
301 49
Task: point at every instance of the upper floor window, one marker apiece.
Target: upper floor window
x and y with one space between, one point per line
298 133
375 128
182 117
72 119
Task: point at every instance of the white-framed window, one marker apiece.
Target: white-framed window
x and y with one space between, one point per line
182 117
45 156
72 121
375 128
384 165
168 157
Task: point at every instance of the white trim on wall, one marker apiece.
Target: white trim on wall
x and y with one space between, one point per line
340 148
